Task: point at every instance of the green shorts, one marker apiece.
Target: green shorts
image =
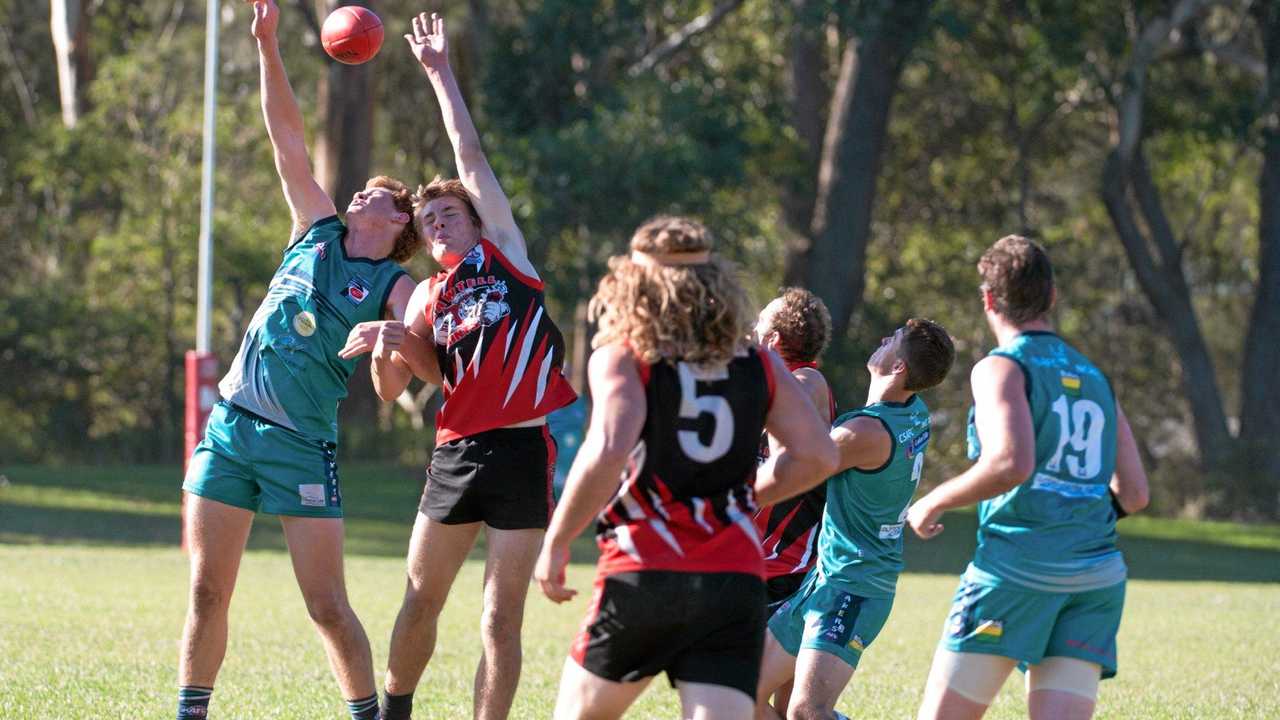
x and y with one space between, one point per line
248 462
1030 625
825 615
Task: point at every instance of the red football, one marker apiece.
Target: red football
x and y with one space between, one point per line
351 34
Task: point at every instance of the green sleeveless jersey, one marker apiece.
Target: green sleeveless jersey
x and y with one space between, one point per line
860 544
288 370
1055 532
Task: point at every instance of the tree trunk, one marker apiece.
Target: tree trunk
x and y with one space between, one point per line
1165 285
808 97
1260 391
857 130
67 26
346 134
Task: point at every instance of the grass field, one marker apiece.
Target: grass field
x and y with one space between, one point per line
92 598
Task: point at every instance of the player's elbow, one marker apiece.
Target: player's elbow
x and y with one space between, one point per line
1010 471
1134 497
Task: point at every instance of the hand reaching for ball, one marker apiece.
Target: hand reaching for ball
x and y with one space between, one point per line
428 41
266 15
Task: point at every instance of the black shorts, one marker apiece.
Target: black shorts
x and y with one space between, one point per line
781 587
697 627
499 477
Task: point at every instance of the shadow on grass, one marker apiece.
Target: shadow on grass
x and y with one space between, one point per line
382 499
1148 558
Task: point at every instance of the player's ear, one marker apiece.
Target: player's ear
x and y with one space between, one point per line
400 218
900 367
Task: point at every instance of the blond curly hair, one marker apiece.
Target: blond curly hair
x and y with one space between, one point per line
671 310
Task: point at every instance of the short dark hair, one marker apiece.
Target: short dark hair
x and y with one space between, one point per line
1017 273
928 352
803 325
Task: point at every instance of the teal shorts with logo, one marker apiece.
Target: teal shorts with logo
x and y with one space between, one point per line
828 616
250 463
1029 625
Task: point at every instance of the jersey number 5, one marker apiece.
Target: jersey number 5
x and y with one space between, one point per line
693 405
1080 424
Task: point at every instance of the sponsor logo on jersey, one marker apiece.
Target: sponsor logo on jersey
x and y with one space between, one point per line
311 494
989 630
917 444
856 644
320 249
891 532
475 256
1070 383
357 290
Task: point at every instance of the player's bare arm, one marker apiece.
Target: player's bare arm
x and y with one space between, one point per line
308 202
862 443
816 389
806 456
1007 436
1129 484
430 46
613 432
399 352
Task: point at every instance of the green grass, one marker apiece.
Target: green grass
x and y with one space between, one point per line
93 593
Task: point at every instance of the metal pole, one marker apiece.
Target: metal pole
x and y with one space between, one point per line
204 286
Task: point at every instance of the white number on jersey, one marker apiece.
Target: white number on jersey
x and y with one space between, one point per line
693 405
1081 423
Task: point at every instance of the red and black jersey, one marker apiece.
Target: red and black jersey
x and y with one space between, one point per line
789 529
685 503
500 354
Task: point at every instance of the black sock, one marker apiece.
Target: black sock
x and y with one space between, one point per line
397 707
364 708
193 702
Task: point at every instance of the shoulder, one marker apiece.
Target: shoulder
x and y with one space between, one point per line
321 229
399 293
422 296
613 363
515 259
998 376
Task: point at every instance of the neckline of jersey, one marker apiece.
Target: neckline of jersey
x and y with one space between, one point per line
342 246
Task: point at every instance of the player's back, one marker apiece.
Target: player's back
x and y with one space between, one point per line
1056 530
685 502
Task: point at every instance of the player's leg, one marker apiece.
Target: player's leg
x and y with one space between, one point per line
436 552
315 546
216 536
584 696
961 686
777 668
508 568
221 497
1080 652
703 701
1062 688
820 678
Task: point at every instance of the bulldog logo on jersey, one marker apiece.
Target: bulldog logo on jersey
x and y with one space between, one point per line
479 302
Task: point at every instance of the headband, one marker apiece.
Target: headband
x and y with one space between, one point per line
696 257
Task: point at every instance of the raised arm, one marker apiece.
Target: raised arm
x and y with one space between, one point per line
1007 437
308 202
805 454
430 46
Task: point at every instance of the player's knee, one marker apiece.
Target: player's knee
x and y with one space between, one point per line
208 598
500 625
422 602
329 610
806 709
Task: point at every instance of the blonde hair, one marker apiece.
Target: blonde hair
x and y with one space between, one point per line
696 312
407 242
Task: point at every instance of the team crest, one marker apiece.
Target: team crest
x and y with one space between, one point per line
480 302
357 290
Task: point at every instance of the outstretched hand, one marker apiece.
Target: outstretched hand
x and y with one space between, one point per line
428 41
266 16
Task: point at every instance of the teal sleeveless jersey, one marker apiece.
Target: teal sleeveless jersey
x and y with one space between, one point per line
288 370
1055 532
860 544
